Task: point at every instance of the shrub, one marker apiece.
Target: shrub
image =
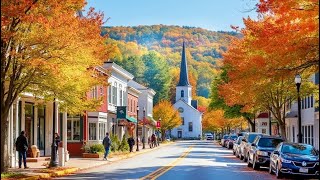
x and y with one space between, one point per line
86 148
115 143
96 148
124 146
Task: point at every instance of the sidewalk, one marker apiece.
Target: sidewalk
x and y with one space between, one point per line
38 170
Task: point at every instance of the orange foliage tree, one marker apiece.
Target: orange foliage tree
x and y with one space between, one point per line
170 117
48 48
261 65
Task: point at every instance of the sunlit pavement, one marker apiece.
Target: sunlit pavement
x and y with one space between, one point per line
182 160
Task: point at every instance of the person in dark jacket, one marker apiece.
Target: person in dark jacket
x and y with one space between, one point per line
106 143
131 143
57 140
22 147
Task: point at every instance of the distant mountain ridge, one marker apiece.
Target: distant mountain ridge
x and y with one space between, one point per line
204 47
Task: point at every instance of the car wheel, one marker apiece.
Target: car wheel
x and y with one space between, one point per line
255 165
240 156
278 172
248 161
270 168
245 159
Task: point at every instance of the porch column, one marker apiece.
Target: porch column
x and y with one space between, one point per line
17 130
97 130
10 136
23 118
35 125
64 136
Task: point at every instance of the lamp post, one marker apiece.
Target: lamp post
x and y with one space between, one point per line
53 161
270 123
137 129
297 80
143 130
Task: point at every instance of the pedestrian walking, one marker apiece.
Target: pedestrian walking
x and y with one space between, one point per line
22 147
57 140
131 143
106 143
153 140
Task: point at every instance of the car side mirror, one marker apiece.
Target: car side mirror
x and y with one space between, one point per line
276 152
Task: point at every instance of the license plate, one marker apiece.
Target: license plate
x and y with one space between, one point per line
303 170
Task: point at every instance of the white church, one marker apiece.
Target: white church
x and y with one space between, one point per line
191 126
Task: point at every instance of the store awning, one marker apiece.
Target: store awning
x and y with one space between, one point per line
132 119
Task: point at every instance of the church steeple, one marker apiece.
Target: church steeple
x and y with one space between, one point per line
184 80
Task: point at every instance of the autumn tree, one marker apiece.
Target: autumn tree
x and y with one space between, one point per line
170 117
49 51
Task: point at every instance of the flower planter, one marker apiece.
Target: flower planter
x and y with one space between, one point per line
91 155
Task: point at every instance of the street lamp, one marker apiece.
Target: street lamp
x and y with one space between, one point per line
137 129
297 80
143 130
53 161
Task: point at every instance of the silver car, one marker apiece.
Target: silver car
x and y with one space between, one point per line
236 146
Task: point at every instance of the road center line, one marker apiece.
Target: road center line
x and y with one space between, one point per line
166 168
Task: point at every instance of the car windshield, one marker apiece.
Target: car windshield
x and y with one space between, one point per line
225 136
302 149
269 142
233 137
252 137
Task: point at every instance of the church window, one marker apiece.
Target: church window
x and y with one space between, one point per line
182 93
190 127
182 118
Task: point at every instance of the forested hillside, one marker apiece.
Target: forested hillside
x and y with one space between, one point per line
156 50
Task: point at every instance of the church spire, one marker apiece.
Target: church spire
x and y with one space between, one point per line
184 80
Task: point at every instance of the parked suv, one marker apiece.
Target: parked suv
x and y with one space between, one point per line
260 150
222 142
245 144
231 139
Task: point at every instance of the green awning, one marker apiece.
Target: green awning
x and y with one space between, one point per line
132 119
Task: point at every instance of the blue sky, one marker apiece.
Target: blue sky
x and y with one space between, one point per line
209 14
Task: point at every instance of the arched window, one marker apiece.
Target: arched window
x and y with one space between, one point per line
182 93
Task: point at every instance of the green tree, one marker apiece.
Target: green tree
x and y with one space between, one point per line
156 75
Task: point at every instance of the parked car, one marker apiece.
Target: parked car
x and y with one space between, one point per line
223 139
236 146
260 150
294 158
208 136
245 144
230 141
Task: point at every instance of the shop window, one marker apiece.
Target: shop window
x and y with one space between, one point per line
102 130
312 135
110 95
73 129
190 127
92 131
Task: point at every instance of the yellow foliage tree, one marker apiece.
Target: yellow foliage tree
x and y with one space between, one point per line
170 117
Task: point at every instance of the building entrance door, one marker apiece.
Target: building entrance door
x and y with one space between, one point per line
179 134
29 114
41 130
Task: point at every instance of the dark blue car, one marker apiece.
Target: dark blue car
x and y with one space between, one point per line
294 158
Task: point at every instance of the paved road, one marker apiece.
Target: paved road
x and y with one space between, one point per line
182 160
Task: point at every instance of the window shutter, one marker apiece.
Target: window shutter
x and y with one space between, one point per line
81 127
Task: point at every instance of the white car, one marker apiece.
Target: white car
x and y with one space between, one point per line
208 136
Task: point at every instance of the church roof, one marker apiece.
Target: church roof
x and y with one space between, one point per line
184 80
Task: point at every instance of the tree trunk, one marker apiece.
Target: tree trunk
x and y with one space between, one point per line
163 135
4 140
251 123
282 128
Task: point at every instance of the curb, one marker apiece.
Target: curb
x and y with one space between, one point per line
73 169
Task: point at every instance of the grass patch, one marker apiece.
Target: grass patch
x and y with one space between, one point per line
13 175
